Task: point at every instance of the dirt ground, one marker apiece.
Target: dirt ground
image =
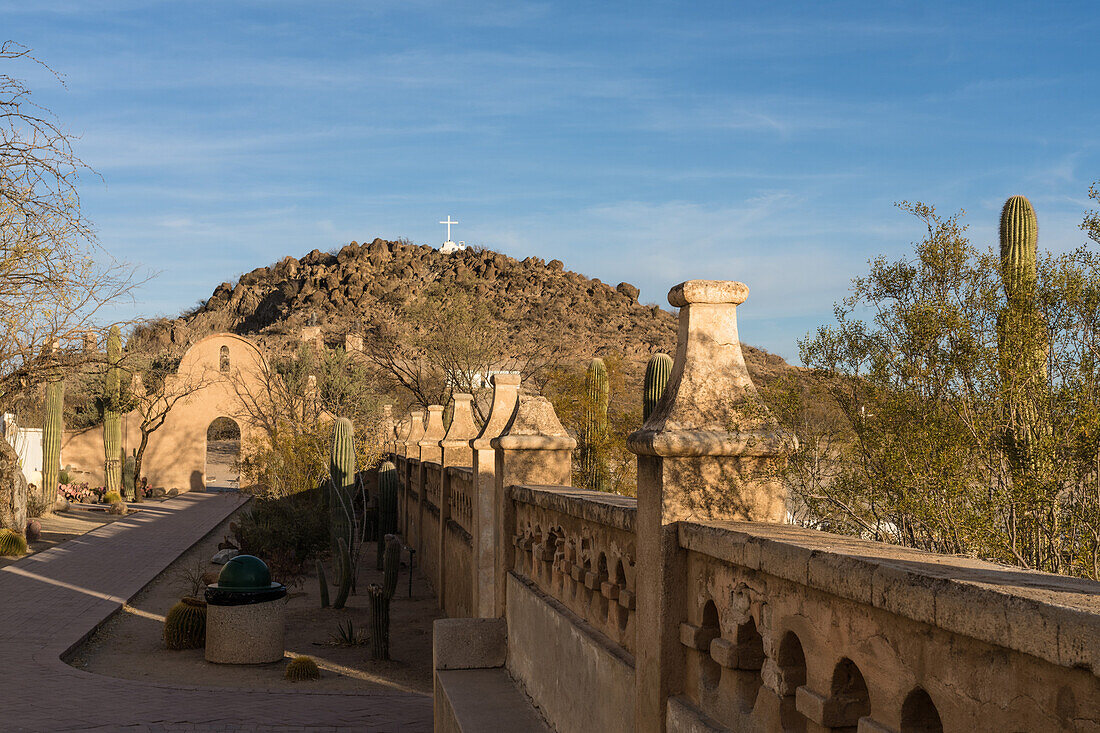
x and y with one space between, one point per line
130 645
57 528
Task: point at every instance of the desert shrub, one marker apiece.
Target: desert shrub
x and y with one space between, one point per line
286 533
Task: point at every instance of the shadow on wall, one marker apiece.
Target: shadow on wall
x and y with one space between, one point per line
197 482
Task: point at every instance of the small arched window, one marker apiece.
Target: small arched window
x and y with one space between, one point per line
224 366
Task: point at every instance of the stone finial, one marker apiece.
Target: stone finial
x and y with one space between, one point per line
416 433
386 427
463 429
534 426
433 433
90 342
309 333
710 407
505 395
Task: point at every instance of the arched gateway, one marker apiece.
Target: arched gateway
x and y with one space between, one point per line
228 368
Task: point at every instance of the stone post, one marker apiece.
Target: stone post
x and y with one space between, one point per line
429 452
386 429
456 443
706 452
407 449
505 396
533 449
456 452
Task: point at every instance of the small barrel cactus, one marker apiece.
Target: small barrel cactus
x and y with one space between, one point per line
185 625
657 372
34 530
112 497
301 669
12 544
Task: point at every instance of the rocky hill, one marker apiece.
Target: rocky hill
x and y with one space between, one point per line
364 284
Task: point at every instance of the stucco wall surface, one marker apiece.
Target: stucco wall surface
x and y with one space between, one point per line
580 683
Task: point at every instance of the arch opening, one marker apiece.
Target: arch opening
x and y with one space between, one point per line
848 699
919 714
710 672
223 454
223 359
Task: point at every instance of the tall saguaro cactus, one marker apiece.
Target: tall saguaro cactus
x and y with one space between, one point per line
1020 335
387 505
342 473
51 437
594 438
657 372
112 418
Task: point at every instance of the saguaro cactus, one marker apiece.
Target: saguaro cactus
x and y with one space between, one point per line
380 596
657 372
112 418
594 437
51 438
342 485
1021 335
387 505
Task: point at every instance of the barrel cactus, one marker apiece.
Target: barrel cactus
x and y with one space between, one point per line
593 442
185 625
387 505
657 372
300 669
112 417
12 544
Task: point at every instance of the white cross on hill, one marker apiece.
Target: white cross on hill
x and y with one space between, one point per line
450 246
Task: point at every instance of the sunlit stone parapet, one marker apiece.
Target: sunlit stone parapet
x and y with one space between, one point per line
386 428
709 450
534 449
722 442
411 446
433 434
456 443
505 396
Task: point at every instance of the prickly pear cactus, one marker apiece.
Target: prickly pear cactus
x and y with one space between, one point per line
657 372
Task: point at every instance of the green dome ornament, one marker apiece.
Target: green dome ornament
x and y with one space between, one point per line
244 579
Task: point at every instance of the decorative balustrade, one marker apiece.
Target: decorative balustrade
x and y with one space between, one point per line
461 497
578 547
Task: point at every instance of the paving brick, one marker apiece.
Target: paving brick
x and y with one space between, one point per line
51 600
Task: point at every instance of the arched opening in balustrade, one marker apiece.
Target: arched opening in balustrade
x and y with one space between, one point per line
791 660
919 714
750 658
848 697
710 672
602 608
550 559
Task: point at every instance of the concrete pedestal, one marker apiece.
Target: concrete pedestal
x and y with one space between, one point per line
248 634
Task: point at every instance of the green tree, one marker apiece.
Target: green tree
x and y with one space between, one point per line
902 427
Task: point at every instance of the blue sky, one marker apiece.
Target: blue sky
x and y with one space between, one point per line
645 142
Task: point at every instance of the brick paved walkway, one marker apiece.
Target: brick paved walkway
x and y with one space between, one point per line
51 601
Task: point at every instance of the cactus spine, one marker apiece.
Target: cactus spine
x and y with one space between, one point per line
387 505
1021 336
594 436
657 372
51 438
112 419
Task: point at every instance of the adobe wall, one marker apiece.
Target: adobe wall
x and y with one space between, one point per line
176 454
